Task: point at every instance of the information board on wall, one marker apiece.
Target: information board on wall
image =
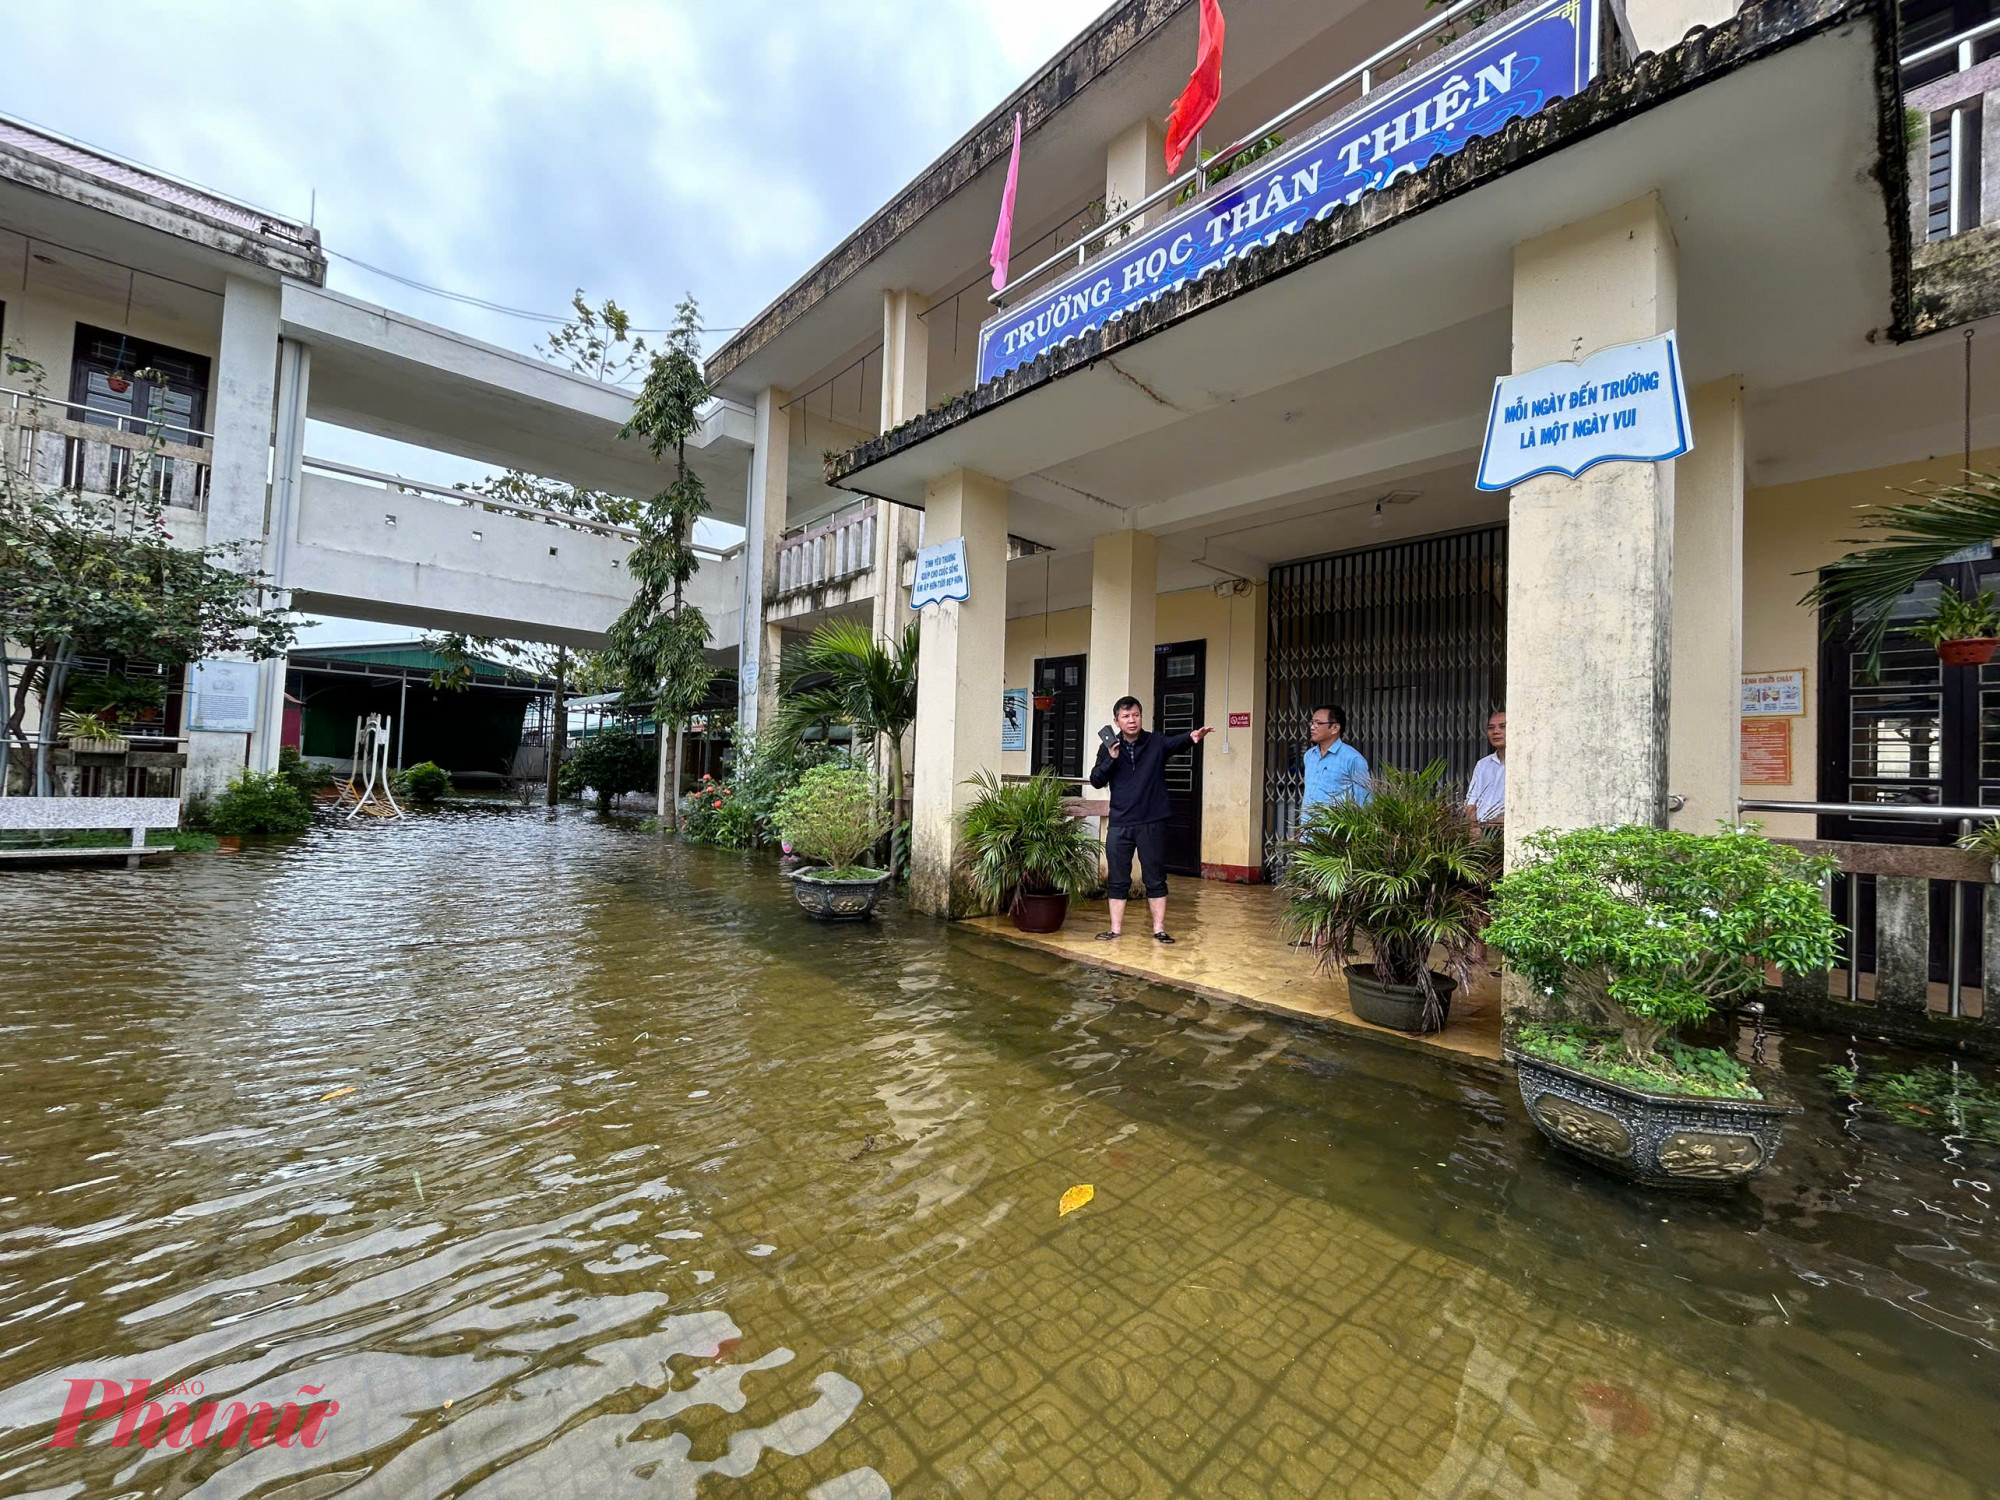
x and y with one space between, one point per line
940 574
224 696
1774 694
1767 752
1014 719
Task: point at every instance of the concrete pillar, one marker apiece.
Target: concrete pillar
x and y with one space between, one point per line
1590 560
1124 601
960 673
1656 25
906 348
764 523
1135 167
239 478
287 476
1704 758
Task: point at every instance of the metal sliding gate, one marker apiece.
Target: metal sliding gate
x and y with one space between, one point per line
1410 639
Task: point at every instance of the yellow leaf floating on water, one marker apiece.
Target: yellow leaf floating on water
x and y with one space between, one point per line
336 1093
1075 1198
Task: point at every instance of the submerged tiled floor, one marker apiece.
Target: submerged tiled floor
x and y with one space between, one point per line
1227 948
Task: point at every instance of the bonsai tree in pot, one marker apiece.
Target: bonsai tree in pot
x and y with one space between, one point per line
1404 871
1021 851
832 815
1964 632
1627 934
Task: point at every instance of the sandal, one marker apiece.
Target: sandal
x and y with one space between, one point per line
1107 937
1161 937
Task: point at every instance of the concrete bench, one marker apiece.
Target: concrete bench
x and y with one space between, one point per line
72 814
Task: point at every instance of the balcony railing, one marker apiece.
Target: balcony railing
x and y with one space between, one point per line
46 441
1951 106
830 551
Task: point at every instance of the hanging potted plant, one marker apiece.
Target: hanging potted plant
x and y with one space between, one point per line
833 815
119 382
1964 632
1405 872
1023 853
1625 935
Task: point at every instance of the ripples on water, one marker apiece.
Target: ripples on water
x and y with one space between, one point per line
571 1162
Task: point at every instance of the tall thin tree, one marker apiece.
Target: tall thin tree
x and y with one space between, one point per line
659 645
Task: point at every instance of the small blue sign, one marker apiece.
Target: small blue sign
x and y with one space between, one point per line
941 574
1510 68
1626 403
1014 719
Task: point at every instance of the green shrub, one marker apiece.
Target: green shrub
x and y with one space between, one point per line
125 698
611 762
757 775
309 776
1018 838
832 815
260 802
1646 929
1706 1072
423 783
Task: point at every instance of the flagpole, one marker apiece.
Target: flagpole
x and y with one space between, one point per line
1200 177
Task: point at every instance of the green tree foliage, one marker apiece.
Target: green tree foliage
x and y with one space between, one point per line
1403 870
260 802
95 575
659 645
1646 929
832 815
611 762
844 675
424 783
309 776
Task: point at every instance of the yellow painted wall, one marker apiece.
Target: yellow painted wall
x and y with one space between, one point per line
1232 813
1791 530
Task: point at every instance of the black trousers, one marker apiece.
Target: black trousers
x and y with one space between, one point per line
1150 842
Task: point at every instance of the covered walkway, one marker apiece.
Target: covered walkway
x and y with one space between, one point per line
1228 949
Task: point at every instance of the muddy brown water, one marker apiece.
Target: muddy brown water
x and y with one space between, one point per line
571 1162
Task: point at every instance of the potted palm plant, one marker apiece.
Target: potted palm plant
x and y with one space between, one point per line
1021 851
844 675
832 815
1626 934
1964 632
1404 871
89 734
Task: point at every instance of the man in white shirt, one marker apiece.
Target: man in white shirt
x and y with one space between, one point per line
1486 798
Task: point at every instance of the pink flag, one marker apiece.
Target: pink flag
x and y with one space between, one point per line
1003 232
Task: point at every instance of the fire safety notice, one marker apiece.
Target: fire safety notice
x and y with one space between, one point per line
1622 403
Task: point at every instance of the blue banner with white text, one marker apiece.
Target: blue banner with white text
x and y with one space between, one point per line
1509 69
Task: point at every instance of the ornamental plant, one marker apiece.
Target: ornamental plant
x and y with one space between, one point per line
260 802
1957 618
1018 839
832 816
1404 870
424 783
1643 930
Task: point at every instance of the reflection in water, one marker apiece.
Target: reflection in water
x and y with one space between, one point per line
569 1162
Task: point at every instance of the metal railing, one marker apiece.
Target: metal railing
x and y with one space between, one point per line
1197 176
1907 812
1961 207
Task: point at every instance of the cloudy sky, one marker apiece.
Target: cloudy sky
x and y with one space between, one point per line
639 149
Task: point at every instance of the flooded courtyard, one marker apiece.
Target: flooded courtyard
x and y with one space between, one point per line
558 1159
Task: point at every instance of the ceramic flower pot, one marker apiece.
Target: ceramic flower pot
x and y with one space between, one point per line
1397 1006
844 900
1973 651
1660 1140
1040 911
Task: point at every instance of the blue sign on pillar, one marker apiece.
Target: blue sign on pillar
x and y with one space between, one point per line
941 574
1509 68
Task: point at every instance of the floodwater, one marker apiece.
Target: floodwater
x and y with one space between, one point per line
572 1162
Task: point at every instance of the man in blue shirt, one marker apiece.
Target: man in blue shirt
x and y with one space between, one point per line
1335 771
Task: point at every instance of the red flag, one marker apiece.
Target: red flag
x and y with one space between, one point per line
1197 102
1003 232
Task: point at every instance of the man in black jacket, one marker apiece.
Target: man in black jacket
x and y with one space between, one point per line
1134 764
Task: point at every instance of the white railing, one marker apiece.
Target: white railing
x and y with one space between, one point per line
1961 119
44 439
836 548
